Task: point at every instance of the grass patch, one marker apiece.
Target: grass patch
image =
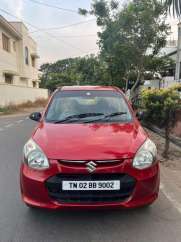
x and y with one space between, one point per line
11 108
4 110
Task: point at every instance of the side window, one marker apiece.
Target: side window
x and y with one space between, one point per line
6 42
14 46
8 78
26 56
33 61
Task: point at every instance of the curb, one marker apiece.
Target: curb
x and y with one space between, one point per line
21 113
170 186
173 139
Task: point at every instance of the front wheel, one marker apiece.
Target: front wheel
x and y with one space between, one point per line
33 208
146 206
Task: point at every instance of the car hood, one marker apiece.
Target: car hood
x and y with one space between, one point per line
89 141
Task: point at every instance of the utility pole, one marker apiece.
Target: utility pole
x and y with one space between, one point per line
178 59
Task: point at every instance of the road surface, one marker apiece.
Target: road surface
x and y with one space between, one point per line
160 223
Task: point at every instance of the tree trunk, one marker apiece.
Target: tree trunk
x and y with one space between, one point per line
126 87
111 74
167 142
136 83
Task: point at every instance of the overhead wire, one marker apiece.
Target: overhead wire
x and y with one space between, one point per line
38 29
54 6
66 26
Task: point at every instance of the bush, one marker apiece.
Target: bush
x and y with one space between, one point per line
161 107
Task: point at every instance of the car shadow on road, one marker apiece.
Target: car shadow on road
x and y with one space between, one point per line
141 224
84 213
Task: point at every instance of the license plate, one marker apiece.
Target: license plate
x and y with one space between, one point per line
91 185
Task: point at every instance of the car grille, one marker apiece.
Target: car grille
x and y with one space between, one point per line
98 162
54 186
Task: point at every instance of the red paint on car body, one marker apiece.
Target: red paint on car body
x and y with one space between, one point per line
89 142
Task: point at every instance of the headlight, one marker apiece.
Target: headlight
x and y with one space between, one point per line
34 156
145 156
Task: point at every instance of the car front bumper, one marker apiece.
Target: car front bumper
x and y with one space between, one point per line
35 192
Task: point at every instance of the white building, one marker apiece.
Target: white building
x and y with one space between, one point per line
19 81
18 55
170 77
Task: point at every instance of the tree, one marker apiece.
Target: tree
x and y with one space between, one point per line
158 67
161 107
56 74
89 70
128 33
161 65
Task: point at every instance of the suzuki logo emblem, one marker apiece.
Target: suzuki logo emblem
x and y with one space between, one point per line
91 166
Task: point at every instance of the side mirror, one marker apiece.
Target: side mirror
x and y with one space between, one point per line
140 115
35 116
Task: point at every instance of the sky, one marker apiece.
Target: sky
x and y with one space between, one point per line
60 43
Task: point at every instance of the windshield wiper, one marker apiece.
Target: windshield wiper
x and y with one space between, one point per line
76 117
107 116
115 114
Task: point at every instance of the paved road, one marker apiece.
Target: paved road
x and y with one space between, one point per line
160 223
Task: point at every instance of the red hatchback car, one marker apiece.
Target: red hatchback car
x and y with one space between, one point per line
89 151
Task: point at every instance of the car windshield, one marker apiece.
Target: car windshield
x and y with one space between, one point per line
87 107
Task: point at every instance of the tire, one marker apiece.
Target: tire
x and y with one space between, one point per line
31 207
146 206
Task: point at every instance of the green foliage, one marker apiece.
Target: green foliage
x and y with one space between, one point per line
114 4
2 110
128 33
161 65
161 105
89 70
56 74
82 11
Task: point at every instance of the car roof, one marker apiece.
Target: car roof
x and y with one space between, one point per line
89 88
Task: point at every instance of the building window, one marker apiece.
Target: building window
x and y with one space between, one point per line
34 84
8 78
33 61
14 46
6 42
26 56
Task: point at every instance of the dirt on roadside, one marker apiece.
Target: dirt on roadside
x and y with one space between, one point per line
23 108
174 161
